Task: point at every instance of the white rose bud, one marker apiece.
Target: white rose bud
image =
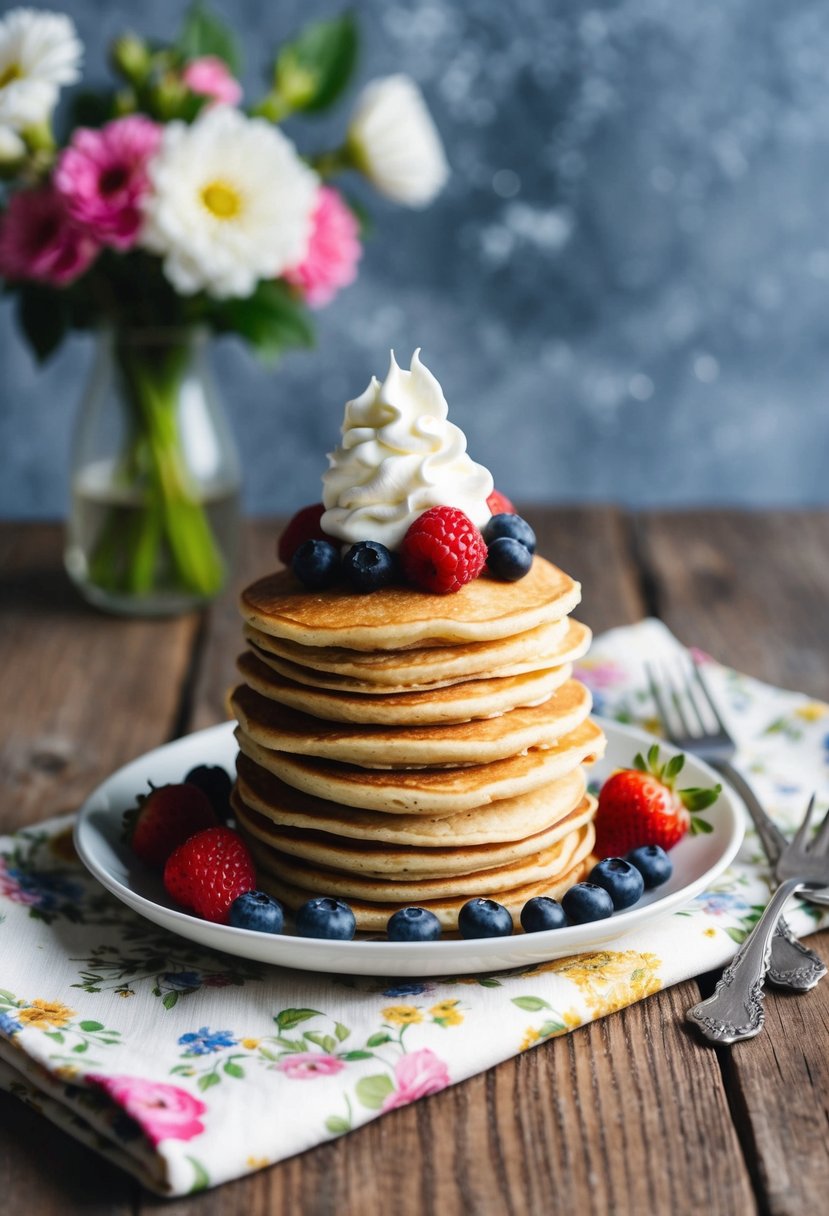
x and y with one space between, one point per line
393 140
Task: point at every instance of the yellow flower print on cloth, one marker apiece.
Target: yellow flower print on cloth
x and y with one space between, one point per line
812 711
610 979
45 1013
446 1013
402 1015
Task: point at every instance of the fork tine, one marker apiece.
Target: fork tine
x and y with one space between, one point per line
820 844
707 693
799 840
680 712
656 693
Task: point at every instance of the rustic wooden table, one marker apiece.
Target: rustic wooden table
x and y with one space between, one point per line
629 1115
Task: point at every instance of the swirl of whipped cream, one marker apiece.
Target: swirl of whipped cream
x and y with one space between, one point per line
399 455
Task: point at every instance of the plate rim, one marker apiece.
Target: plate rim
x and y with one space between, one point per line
372 957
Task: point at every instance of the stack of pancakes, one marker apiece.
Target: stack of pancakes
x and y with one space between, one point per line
405 748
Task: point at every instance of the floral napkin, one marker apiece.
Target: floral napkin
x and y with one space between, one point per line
188 1067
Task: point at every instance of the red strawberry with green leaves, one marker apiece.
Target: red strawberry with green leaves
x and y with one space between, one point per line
641 805
164 819
209 871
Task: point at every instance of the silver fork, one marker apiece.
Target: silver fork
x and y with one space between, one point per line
735 1011
792 965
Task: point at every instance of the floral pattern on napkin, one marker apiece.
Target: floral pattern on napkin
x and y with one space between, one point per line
188 1067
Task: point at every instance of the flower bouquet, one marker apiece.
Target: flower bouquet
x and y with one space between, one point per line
168 210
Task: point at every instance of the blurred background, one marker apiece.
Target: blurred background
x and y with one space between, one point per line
624 291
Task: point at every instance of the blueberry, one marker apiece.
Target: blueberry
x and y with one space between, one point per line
216 784
585 902
257 910
508 559
326 917
484 918
621 880
509 525
542 913
413 925
368 565
316 564
653 863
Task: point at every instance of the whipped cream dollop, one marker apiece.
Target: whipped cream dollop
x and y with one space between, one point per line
399 456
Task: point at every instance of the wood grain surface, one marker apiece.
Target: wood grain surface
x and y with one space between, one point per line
629 1115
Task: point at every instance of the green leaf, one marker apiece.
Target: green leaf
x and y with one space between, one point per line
357 1055
639 763
489 982
673 767
286 1019
202 1179
91 1026
208 1081
737 935
291 1044
337 1124
531 1003
373 1091
44 319
653 756
700 827
696 799
313 70
551 1027
271 320
377 1040
169 999
234 1070
324 1041
342 1032
54 1035
203 33
79 1048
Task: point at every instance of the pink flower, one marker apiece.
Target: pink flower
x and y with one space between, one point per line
305 1065
39 240
418 1074
209 77
333 251
163 1112
103 177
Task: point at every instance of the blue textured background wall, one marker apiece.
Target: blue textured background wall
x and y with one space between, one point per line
624 291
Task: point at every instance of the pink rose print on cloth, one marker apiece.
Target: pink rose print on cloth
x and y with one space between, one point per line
209 77
163 1112
305 1065
333 251
103 178
417 1074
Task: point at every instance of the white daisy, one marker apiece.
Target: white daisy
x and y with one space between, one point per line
231 203
12 147
393 140
39 52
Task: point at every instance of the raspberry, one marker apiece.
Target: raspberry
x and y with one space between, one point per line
442 550
208 872
305 525
499 504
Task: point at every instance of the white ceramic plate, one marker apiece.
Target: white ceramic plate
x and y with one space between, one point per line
697 861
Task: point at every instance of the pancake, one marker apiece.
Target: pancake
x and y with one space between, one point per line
377 860
437 791
544 866
478 741
455 703
422 666
373 917
510 819
395 617
573 645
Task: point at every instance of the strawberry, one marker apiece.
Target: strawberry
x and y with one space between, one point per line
641 806
305 525
164 818
208 872
499 504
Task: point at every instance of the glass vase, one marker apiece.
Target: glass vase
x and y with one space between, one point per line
155 477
